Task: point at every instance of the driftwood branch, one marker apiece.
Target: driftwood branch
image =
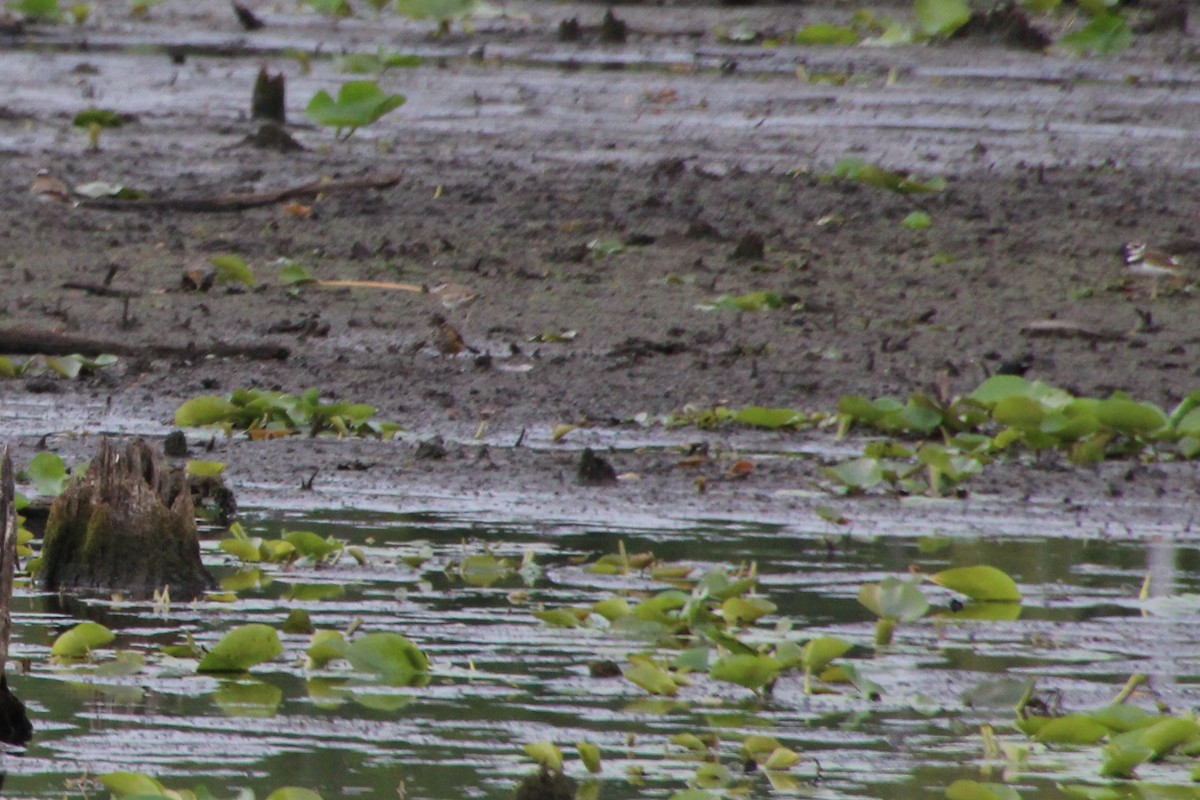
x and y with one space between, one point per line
243 200
28 341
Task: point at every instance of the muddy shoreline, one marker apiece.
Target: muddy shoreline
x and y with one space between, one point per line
571 224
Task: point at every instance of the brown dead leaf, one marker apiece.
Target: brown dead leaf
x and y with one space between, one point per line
663 96
742 468
297 210
692 462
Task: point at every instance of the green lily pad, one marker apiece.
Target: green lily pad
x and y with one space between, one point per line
310 545
325 646
940 18
1072 729
293 793
857 474
973 790
647 674
750 671
771 418
127 784
545 754
389 655
979 583
242 648
893 598
589 754
81 640
205 469
48 473
820 651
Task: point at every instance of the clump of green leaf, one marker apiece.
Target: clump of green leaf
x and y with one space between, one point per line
96 120
70 367
289 548
375 63
444 12
750 301
859 171
264 415
358 104
1105 34
232 268
37 10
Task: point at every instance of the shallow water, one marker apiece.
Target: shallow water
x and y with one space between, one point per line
502 678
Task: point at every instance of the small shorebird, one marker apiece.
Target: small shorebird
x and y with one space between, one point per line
1143 261
446 338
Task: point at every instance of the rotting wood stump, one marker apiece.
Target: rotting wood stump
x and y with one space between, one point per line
15 727
128 526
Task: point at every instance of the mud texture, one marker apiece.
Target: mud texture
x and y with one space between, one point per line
567 208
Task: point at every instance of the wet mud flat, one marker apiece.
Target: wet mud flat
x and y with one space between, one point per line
576 217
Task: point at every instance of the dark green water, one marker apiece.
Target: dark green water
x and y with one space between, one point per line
502 678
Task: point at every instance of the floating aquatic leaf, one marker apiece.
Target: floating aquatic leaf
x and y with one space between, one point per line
895 599
917 221
545 754
484 569
389 655
1161 737
310 545
131 784
561 617
973 790
1072 729
1130 417
759 748
48 473
81 640
242 648
124 664
205 469
248 698
750 671
646 673
293 793
825 33
232 268
940 18
248 550
983 583
325 646
858 474
589 754
781 758
819 652
1121 760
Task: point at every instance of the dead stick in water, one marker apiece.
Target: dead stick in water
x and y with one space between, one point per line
27 341
240 201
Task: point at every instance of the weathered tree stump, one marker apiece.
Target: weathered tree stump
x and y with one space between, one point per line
14 722
128 525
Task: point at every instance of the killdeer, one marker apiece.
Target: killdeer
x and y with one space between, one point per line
1143 261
